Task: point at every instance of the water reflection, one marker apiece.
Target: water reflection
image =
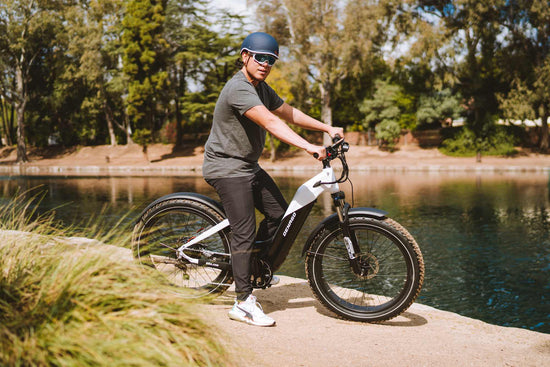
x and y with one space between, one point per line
485 238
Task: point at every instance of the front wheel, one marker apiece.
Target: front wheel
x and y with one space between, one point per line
392 270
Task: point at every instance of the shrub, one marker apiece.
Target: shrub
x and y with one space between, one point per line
466 144
63 306
388 133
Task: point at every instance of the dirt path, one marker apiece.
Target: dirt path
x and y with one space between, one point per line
306 334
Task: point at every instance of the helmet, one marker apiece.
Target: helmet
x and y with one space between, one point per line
260 42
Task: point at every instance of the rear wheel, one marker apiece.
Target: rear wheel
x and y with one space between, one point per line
170 224
392 270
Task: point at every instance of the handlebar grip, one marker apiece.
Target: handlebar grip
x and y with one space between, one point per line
315 155
336 138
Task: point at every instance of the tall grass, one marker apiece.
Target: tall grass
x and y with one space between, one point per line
65 305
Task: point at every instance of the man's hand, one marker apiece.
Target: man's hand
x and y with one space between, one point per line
334 130
317 149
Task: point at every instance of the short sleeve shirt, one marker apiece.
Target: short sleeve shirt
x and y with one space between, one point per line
235 142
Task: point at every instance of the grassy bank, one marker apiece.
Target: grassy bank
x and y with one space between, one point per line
64 305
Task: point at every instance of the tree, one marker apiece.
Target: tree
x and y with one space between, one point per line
382 106
94 27
199 55
528 22
27 28
438 108
542 93
144 62
7 114
518 104
539 13
472 27
332 39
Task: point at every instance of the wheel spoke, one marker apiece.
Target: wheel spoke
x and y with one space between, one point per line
176 222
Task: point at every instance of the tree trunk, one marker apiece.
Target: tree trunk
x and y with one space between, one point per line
128 129
11 127
179 94
20 106
544 138
273 153
179 127
326 110
4 116
21 146
110 126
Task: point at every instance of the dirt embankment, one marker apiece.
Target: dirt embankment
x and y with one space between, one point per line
165 159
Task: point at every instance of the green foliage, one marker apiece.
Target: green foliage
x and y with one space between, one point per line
388 104
144 56
388 133
467 143
63 304
328 42
437 108
517 105
382 106
95 70
353 89
142 137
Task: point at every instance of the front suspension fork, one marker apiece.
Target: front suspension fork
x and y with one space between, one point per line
342 209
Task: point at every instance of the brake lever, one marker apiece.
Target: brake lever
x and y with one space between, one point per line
337 140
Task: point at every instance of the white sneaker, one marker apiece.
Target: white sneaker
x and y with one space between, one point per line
275 280
250 312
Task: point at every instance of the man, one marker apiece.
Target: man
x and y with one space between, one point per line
246 108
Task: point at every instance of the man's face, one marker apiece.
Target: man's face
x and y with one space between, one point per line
258 71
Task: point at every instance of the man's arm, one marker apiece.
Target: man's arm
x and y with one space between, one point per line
263 117
294 116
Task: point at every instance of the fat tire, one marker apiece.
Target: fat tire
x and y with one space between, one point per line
330 284
176 218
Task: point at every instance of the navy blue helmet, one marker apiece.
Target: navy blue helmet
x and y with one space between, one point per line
260 42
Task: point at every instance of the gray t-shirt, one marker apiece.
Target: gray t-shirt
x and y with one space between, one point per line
236 142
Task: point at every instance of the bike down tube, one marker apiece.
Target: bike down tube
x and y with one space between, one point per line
297 213
310 190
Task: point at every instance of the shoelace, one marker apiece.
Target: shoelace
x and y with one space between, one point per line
257 303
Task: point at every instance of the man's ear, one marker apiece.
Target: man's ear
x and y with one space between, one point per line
245 56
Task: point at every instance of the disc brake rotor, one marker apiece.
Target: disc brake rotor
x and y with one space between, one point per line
369 266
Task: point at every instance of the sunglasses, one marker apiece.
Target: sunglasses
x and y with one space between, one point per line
263 58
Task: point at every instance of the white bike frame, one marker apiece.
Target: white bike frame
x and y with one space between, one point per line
307 193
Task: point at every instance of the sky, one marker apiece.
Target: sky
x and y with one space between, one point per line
237 6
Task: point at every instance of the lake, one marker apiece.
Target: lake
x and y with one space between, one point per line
485 237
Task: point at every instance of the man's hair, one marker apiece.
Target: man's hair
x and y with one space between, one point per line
239 62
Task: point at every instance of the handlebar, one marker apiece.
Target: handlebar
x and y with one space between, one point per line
338 147
336 150
332 150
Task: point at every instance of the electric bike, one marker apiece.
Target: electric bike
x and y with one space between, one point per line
360 264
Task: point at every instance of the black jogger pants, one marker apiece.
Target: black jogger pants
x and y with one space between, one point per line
239 197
